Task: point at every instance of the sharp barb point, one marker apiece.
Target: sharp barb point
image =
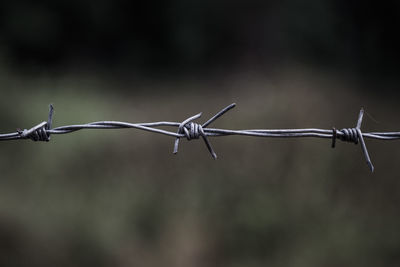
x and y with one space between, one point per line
371 167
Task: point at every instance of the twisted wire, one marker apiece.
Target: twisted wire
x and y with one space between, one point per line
191 130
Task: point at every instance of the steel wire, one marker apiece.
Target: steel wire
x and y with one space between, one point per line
191 130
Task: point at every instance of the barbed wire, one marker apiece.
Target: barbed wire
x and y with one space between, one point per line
192 130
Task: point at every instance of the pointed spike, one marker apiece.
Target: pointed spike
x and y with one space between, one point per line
209 147
371 167
50 119
219 114
176 145
365 151
360 118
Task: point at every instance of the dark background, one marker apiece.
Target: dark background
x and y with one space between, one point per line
178 37
120 198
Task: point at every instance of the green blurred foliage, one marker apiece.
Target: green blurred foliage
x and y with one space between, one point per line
120 198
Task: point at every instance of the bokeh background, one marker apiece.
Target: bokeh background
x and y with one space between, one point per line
120 198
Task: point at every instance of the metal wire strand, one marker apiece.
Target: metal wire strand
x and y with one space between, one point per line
191 130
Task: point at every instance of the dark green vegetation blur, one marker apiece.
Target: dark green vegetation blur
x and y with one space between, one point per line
121 198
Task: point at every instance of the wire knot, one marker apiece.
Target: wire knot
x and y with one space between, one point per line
353 135
40 131
349 135
192 130
36 133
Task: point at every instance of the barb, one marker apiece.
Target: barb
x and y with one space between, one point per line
354 135
192 130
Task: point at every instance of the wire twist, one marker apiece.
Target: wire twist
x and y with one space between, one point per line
353 135
40 131
349 135
192 130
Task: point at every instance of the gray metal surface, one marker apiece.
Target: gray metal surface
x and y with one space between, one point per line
192 130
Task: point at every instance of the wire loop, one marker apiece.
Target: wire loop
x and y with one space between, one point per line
349 135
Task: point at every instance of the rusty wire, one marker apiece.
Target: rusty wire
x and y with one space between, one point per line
192 130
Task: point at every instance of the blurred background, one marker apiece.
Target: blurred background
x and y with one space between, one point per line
120 198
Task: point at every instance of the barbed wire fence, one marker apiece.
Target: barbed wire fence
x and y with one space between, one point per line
192 130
